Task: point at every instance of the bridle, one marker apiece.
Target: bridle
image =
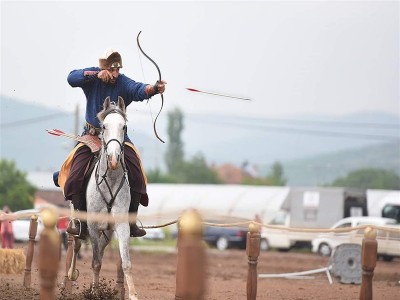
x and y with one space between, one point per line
100 178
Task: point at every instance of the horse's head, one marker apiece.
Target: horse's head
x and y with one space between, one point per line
113 120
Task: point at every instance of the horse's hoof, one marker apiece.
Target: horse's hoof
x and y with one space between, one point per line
73 275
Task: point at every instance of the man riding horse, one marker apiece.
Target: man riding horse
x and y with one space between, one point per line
97 84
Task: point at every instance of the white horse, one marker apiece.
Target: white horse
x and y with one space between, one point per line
108 192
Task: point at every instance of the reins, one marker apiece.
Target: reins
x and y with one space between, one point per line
104 178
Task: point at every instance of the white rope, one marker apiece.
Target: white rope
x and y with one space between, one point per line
106 217
297 274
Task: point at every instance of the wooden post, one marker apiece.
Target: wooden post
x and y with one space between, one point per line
368 260
68 260
33 225
48 254
120 279
190 273
252 251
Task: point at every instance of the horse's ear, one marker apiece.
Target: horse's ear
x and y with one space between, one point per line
106 103
121 103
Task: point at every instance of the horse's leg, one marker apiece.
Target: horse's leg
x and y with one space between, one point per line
120 279
96 258
98 244
122 230
73 273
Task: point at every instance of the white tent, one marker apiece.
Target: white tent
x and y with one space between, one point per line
239 201
168 201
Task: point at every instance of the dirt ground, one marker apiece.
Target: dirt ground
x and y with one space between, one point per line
226 276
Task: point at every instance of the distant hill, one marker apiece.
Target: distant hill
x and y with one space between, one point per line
312 151
234 139
323 169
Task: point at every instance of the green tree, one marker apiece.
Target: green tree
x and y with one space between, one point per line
156 176
369 179
256 181
15 190
276 176
179 170
174 155
196 171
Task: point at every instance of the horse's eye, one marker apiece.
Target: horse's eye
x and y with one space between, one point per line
124 127
103 127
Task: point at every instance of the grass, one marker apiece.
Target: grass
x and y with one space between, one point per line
167 242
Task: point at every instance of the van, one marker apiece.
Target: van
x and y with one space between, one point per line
324 243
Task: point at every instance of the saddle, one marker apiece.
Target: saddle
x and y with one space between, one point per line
88 172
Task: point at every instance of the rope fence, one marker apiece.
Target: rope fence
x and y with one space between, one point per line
132 217
190 274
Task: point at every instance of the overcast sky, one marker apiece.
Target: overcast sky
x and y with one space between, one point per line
320 57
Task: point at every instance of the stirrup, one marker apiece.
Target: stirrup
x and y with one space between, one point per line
77 231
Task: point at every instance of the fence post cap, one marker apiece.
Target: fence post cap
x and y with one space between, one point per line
253 227
370 233
49 217
191 222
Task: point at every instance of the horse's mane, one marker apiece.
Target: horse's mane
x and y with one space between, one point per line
111 109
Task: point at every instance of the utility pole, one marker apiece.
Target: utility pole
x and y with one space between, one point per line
76 131
72 144
76 123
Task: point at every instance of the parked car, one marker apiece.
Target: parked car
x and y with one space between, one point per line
225 237
388 242
154 234
326 242
21 228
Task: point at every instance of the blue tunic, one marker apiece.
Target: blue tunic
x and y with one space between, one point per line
96 91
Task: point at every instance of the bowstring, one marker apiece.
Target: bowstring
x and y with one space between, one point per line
144 80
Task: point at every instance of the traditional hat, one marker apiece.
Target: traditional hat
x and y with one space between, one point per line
110 59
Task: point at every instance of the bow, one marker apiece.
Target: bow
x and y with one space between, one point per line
159 79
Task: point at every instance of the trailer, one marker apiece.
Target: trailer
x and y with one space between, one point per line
312 207
384 203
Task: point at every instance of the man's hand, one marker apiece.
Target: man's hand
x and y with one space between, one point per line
161 86
105 76
157 88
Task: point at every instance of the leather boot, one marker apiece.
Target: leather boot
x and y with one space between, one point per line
135 231
81 228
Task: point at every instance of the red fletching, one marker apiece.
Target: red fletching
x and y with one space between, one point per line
192 90
55 132
59 131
